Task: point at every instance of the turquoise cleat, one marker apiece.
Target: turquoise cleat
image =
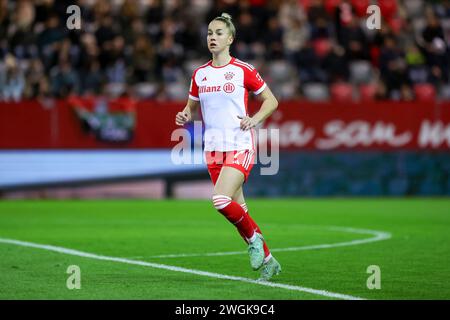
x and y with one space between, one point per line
256 252
269 269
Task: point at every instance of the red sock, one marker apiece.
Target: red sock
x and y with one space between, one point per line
235 214
256 228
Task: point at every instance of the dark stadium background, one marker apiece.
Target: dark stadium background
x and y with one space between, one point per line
105 96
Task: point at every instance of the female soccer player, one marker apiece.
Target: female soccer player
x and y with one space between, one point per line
221 88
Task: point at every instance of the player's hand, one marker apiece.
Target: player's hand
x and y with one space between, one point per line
182 118
247 123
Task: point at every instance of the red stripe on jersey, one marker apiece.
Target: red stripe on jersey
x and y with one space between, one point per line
241 61
248 159
245 160
245 64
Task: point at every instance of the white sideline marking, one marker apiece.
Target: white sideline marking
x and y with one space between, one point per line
377 236
178 269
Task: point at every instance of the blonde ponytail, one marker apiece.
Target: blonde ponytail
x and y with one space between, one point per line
227 19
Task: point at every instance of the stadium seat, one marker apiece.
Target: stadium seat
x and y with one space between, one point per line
445 23
115 89
413 8
360 7
259 64
145 90
396 24
367 92
341 91
419 24
321 47
287 90
305 4
425 92
330 6
279 71
190 65
388 8
316 92
418 74
374 53
360 72
444 92
176 91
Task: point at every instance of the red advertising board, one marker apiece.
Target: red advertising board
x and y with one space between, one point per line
383 126
301 125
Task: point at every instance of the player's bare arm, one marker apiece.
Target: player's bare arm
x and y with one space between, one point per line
185 116
269 105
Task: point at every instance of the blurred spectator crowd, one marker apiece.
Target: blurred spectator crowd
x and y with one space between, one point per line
313 49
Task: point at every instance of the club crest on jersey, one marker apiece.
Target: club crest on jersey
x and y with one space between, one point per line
228 87
229 75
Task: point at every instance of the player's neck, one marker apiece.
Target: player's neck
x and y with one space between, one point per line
222 59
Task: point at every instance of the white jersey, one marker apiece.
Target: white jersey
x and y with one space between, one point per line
223 94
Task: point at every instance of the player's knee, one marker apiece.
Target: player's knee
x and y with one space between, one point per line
220 201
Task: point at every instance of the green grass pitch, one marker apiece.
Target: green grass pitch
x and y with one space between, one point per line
414 261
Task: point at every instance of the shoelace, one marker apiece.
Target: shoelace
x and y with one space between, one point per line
265 270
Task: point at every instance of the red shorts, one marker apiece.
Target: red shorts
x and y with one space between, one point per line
241 160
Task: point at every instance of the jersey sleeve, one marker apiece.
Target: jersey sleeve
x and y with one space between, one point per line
193 89
253 81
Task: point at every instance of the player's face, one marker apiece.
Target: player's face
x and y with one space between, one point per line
219 37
